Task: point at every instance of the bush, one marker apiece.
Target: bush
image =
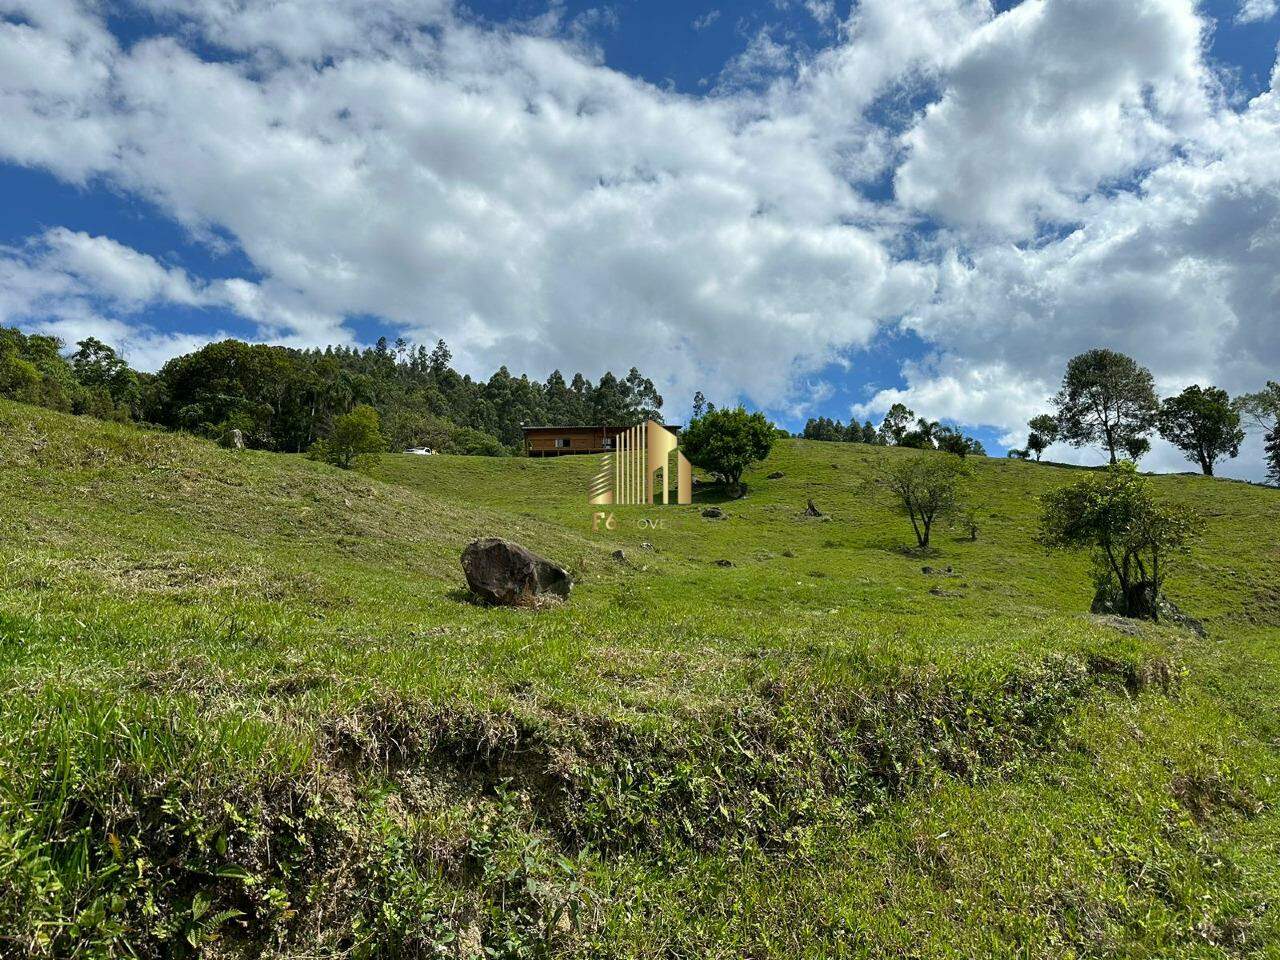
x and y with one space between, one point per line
474 443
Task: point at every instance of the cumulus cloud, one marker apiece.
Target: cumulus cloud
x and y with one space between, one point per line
1048 102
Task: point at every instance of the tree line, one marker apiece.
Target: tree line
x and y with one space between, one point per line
290 400
1108 400
900 428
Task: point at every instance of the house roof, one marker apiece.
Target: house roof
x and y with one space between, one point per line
595 426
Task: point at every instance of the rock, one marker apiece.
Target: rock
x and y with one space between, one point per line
1123 625
812 510
776 475
926 570
724 563
620 556
506 574
646 545
790 554
713 513
236 439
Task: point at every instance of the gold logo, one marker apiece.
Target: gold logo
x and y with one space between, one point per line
630 474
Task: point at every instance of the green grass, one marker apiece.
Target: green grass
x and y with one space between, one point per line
248 709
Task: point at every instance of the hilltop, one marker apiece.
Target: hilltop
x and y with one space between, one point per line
250 709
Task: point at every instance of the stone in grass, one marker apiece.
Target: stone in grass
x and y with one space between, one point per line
724 563
776 475
505 574
812 510
714 513
620 556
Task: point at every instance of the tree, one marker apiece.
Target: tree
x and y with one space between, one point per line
927 488
439 360
699 404
1263 411
1203 424
1106 398
725 442
950 440
895 425
1044 433
1133 537
353 434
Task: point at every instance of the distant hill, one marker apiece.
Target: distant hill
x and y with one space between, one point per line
249 709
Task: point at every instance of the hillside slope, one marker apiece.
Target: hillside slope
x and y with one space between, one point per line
248 708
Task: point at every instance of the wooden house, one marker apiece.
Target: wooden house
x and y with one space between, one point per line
561 441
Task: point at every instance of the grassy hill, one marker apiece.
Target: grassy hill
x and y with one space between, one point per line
249 710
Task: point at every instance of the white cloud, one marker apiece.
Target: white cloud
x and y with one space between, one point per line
1253 11
1050 101
705 20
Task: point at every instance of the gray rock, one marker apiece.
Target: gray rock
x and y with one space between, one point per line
812 510
620 556
506 574
714 513
236 440
776 475
646 545
724 563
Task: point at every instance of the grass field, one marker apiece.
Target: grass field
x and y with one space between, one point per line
249 710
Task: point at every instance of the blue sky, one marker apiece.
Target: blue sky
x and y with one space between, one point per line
817 207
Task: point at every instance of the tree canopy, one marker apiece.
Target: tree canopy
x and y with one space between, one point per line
1133 536
725 442
1203 424
927 488
1108 399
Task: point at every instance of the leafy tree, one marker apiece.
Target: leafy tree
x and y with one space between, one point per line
951 440
1016 454
1135 448
1106 398
726 442
19 378
353 434
699 404
1262 408
1203 424
440 359
1263 411
927 489
1044 433
1134 538
896 423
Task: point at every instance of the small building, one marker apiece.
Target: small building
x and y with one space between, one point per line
561 441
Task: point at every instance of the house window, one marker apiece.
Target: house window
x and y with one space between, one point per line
562 443
608 443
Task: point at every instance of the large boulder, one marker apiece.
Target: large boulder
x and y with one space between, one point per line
506 574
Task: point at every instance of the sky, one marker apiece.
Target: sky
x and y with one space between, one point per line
814 207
